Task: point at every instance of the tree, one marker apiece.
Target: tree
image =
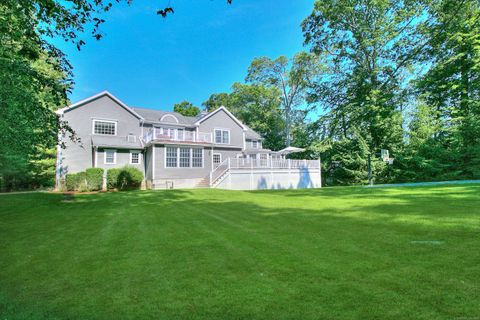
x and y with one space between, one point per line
216 100
292 77
364 45
34 83
186 108
451 87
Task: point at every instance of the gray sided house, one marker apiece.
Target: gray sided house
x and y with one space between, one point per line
173 151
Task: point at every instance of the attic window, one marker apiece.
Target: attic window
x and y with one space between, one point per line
103 127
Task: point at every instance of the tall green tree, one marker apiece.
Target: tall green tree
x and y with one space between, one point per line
451 86
291 77
364 44
187 109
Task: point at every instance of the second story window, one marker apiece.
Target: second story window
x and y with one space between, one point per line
103 127
255 144
222 136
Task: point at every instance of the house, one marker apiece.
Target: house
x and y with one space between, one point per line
174 151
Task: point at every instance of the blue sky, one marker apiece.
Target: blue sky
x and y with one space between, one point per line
206 46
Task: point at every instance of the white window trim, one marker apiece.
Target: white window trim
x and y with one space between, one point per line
255 144
221 129
165 157
213 157
114 156
101 120
178 158
139 156
191 158
169 115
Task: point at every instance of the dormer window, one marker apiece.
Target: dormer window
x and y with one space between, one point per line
105 127
255 144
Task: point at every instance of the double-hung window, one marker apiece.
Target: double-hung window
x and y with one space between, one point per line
255 144
134 157
104 127
184 157
110 156
222 136
197 158
171 157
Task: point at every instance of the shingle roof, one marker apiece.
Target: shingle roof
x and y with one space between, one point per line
152 115
115 142
250 134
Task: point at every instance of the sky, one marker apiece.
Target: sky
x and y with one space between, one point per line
203 48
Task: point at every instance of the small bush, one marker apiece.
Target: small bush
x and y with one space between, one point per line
94 178
112 178
129 178
81 181
70 181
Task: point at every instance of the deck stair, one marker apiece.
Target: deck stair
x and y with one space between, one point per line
204 183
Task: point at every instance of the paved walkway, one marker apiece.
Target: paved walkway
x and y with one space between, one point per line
421 184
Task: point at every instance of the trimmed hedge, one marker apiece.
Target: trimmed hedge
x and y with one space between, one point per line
91 180
94 178
70 181
112 178
129 178
124 178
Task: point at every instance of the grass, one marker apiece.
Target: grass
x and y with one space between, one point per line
335 253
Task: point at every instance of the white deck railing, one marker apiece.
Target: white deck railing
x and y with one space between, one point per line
273 164
251 164
177 135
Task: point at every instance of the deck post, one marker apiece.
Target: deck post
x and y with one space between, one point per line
320 170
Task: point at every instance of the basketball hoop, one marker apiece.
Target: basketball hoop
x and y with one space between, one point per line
385 155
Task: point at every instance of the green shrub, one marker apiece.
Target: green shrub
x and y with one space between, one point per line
81 181
94 178
112 178
70 181
129 178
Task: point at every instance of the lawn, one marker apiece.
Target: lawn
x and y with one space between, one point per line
334 253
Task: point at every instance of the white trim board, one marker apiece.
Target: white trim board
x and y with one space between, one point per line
97 96
114 156
197 123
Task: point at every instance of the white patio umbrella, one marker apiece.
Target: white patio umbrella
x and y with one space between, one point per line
289 150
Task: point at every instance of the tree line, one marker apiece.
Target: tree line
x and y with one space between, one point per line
400 75
383 74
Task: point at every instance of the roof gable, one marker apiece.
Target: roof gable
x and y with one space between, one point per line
222 108
95 97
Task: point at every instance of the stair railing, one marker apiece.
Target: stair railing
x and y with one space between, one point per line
219 171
